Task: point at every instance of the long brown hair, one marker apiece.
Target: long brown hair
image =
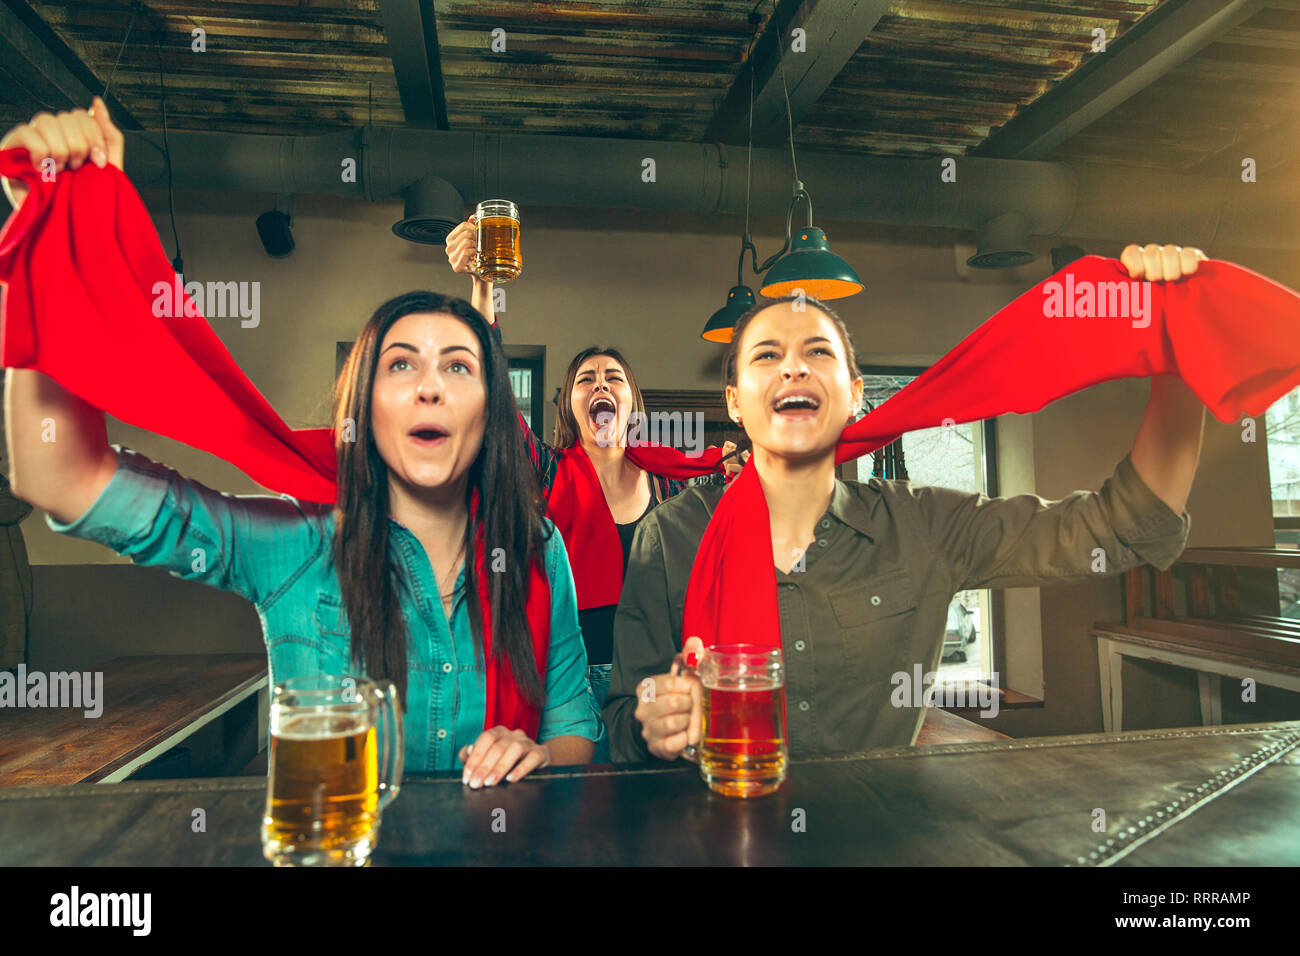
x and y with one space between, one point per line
567 431
510 510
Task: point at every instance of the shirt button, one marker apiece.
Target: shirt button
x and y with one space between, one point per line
798 645
803 705
821 542
446 668
826 522
875 600
442 734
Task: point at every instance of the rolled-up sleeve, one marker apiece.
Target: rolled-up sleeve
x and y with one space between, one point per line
1027 541
248 544
570 704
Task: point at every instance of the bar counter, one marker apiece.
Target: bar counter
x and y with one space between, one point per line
1216 796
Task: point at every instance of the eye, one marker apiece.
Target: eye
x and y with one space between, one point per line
459 364
392 366
766 353
822 350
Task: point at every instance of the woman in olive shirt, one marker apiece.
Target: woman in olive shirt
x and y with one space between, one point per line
866 571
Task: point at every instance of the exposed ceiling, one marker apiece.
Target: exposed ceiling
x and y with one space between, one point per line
1184 85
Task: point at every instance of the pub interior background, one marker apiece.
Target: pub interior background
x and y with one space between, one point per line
645 280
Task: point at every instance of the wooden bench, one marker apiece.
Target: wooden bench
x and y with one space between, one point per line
1214 638
150 704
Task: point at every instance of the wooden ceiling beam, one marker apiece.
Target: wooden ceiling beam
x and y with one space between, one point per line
413 42
1165 38
833 31
41 72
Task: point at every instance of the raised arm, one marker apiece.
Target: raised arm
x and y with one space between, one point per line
59 457
462 244
1167 448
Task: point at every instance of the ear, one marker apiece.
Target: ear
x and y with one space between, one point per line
733 402
855 390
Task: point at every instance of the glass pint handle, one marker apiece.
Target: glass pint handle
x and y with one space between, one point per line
680 668
386 706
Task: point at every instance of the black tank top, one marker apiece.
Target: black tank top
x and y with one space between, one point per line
597 623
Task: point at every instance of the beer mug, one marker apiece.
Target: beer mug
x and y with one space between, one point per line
325 788
498 258
742 749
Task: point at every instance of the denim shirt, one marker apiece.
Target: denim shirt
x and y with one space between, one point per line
276 552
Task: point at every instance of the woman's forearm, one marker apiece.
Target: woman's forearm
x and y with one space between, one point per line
570 749
481 298
59 457
1168 444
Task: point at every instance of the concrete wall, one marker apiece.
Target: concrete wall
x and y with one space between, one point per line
645 283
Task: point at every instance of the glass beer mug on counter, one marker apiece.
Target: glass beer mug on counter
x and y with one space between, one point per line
742 750
328 775
498 258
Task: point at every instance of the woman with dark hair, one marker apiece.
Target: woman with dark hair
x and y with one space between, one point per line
862 573
434 568
587 466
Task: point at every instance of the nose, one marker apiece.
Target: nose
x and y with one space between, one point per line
430 388
794 369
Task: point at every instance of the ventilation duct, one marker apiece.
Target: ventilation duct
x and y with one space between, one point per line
433 209
1089 201
1002 243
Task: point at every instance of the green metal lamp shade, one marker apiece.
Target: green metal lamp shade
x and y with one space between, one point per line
811 266
722 324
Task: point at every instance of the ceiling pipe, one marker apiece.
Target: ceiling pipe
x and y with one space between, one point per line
1088 201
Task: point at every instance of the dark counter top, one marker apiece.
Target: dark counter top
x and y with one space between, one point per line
1216 796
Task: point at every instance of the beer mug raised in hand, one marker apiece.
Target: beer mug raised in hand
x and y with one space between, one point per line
498 258
329 774
742 750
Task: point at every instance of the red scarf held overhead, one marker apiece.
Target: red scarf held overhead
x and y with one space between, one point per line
80 262
1231 335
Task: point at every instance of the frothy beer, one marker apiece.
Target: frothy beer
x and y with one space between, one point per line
323 799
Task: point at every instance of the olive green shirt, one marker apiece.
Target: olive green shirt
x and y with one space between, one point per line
872 600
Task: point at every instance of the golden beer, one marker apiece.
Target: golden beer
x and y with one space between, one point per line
326 786
498 258
742 749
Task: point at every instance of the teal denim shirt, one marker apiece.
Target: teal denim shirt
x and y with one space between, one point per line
276 552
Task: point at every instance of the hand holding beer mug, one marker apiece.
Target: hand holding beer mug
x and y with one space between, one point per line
742 750
498 258
325 790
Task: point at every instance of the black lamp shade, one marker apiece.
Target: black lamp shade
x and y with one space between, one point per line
722 324
811 266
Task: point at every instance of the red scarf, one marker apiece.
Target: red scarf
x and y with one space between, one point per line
578 507
1233 336
79 291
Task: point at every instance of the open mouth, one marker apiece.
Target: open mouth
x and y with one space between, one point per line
427 434
796 405
602 412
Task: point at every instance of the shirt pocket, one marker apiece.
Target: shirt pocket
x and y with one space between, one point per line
333 637
877 625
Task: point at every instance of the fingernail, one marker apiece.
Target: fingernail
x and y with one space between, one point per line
475 783
98 158
490 782
464 777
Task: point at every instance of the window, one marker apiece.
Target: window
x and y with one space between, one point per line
526 383
1282 425
956 456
